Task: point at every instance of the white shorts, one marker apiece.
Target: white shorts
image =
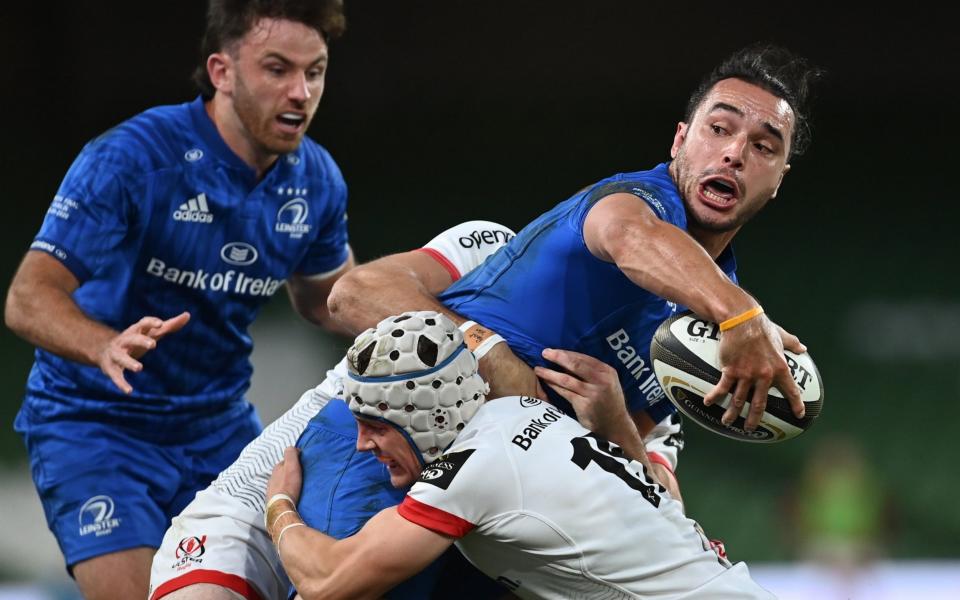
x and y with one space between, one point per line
220 541
220 537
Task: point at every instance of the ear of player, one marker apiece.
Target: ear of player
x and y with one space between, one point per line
684 352
414 372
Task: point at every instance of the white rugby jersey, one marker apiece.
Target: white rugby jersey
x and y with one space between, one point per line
552 511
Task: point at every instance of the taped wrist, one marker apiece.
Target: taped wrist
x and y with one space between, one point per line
478 338
278 506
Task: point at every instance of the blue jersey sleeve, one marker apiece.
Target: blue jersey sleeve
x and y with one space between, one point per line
90 213
665 206
329 249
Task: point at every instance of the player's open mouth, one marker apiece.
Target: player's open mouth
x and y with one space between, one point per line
719 193
387 461
292 121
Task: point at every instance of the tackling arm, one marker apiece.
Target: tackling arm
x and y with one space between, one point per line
387 550
40 309
309 296
389 286
411 281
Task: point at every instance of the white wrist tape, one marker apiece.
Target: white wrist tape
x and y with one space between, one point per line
277 498
285 528
478 338
270 515
485 346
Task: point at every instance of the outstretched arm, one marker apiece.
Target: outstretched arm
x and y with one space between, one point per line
389 286
40 309
387 550
666 261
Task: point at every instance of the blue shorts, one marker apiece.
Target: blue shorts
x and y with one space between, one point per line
112 486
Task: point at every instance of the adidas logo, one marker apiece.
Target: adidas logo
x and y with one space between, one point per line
194 210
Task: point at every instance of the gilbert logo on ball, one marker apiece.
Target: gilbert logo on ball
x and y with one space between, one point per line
684 352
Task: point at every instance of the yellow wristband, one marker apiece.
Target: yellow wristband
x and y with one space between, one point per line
741 318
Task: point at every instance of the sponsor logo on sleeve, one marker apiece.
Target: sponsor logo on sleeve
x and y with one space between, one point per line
48 247
96 516
193 155
442 471
478 238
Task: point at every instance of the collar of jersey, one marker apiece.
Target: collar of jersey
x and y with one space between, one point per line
214 142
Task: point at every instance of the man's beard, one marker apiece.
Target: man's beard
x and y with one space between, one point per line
257 124
688 185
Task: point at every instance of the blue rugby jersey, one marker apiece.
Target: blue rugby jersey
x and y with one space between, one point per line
158 216
546 290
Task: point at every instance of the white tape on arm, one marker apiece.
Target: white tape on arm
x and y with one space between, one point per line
479 339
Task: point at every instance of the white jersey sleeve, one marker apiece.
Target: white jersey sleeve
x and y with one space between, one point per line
461 489
665 441
464 247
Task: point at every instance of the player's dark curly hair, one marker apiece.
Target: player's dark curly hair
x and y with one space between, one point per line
776 70
230 20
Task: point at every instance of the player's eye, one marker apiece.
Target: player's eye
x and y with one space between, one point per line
763 148
717 130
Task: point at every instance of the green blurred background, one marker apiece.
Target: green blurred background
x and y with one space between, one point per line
438 112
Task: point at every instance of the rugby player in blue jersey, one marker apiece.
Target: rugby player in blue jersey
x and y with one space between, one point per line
165 238
600 271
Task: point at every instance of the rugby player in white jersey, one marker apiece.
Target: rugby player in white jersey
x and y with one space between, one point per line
532 498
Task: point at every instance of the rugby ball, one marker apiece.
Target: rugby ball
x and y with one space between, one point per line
684 352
